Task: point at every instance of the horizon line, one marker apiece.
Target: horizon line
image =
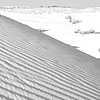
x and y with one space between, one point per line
52 6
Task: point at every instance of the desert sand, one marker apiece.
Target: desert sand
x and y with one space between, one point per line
35 66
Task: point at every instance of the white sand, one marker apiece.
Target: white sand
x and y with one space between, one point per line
60 28
34 66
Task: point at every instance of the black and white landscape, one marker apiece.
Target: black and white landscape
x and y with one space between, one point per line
49 53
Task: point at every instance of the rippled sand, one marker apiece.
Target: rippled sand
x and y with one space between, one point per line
34 66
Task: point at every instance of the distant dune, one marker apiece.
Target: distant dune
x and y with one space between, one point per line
34 66
49 9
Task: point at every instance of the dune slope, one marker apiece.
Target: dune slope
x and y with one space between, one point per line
34 66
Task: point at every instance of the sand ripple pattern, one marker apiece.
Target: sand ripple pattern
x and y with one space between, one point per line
35 71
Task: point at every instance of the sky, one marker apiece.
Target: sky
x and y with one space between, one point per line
36 3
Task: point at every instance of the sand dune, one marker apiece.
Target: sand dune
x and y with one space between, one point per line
69 25
34 66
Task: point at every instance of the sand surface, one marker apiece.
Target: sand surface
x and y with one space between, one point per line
34 66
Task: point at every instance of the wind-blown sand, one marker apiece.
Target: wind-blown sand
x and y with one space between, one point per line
34 66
